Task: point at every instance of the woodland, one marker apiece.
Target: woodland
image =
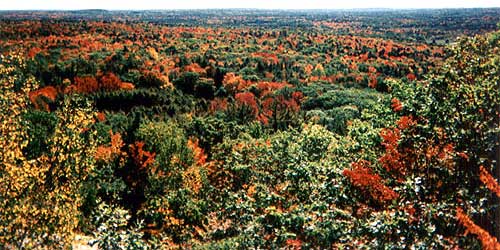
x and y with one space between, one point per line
250 129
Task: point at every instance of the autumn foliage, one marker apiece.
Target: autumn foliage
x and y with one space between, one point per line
489 242
42 97
246 100
142 158
396 105
489 181
392 158
250 129
362 177
109 153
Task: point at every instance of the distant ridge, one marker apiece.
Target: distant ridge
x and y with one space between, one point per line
246 9
92 10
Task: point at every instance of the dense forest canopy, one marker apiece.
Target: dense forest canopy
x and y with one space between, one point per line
250 129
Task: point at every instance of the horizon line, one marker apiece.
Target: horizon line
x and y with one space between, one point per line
257 8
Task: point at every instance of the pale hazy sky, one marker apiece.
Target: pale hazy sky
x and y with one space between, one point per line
263 4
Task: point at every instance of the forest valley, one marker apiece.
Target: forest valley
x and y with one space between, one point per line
247 129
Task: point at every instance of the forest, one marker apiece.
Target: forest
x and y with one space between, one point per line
250 129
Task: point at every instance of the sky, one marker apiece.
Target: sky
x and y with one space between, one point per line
260 4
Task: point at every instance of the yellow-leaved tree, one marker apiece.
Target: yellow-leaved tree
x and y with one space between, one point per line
39 197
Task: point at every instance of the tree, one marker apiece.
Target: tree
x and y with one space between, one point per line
39 197
453 143
187 82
